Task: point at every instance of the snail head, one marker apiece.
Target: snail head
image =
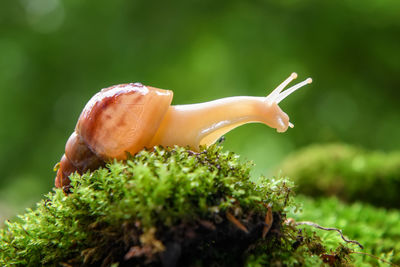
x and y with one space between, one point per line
277 118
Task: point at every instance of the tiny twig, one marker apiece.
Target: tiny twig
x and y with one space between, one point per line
330 229
373 256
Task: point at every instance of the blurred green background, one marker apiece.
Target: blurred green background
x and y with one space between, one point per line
55 54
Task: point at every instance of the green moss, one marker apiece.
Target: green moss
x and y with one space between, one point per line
377 229
164 206
346 172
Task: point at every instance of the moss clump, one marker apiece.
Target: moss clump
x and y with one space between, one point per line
377 229
347 172
163 207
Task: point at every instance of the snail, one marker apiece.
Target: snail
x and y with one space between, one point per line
130 117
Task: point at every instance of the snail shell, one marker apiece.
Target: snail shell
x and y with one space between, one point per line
118 119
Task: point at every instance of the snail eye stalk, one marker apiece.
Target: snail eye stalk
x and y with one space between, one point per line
278 94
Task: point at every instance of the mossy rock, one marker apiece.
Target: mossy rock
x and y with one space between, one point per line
350 173
165 207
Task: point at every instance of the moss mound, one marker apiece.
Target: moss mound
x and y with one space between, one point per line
165 207
377 229
350 173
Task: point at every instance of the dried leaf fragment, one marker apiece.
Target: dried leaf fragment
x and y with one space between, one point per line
269 219
236 222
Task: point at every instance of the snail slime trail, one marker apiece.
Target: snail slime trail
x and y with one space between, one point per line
129 117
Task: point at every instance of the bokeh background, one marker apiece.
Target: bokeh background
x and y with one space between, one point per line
55 54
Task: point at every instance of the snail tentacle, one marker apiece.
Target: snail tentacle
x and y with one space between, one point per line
287 92
275 93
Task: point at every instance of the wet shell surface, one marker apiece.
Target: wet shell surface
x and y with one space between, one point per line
122 118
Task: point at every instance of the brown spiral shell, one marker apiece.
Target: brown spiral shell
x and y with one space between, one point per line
118 119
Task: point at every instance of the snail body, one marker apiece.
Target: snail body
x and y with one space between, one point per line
130 117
